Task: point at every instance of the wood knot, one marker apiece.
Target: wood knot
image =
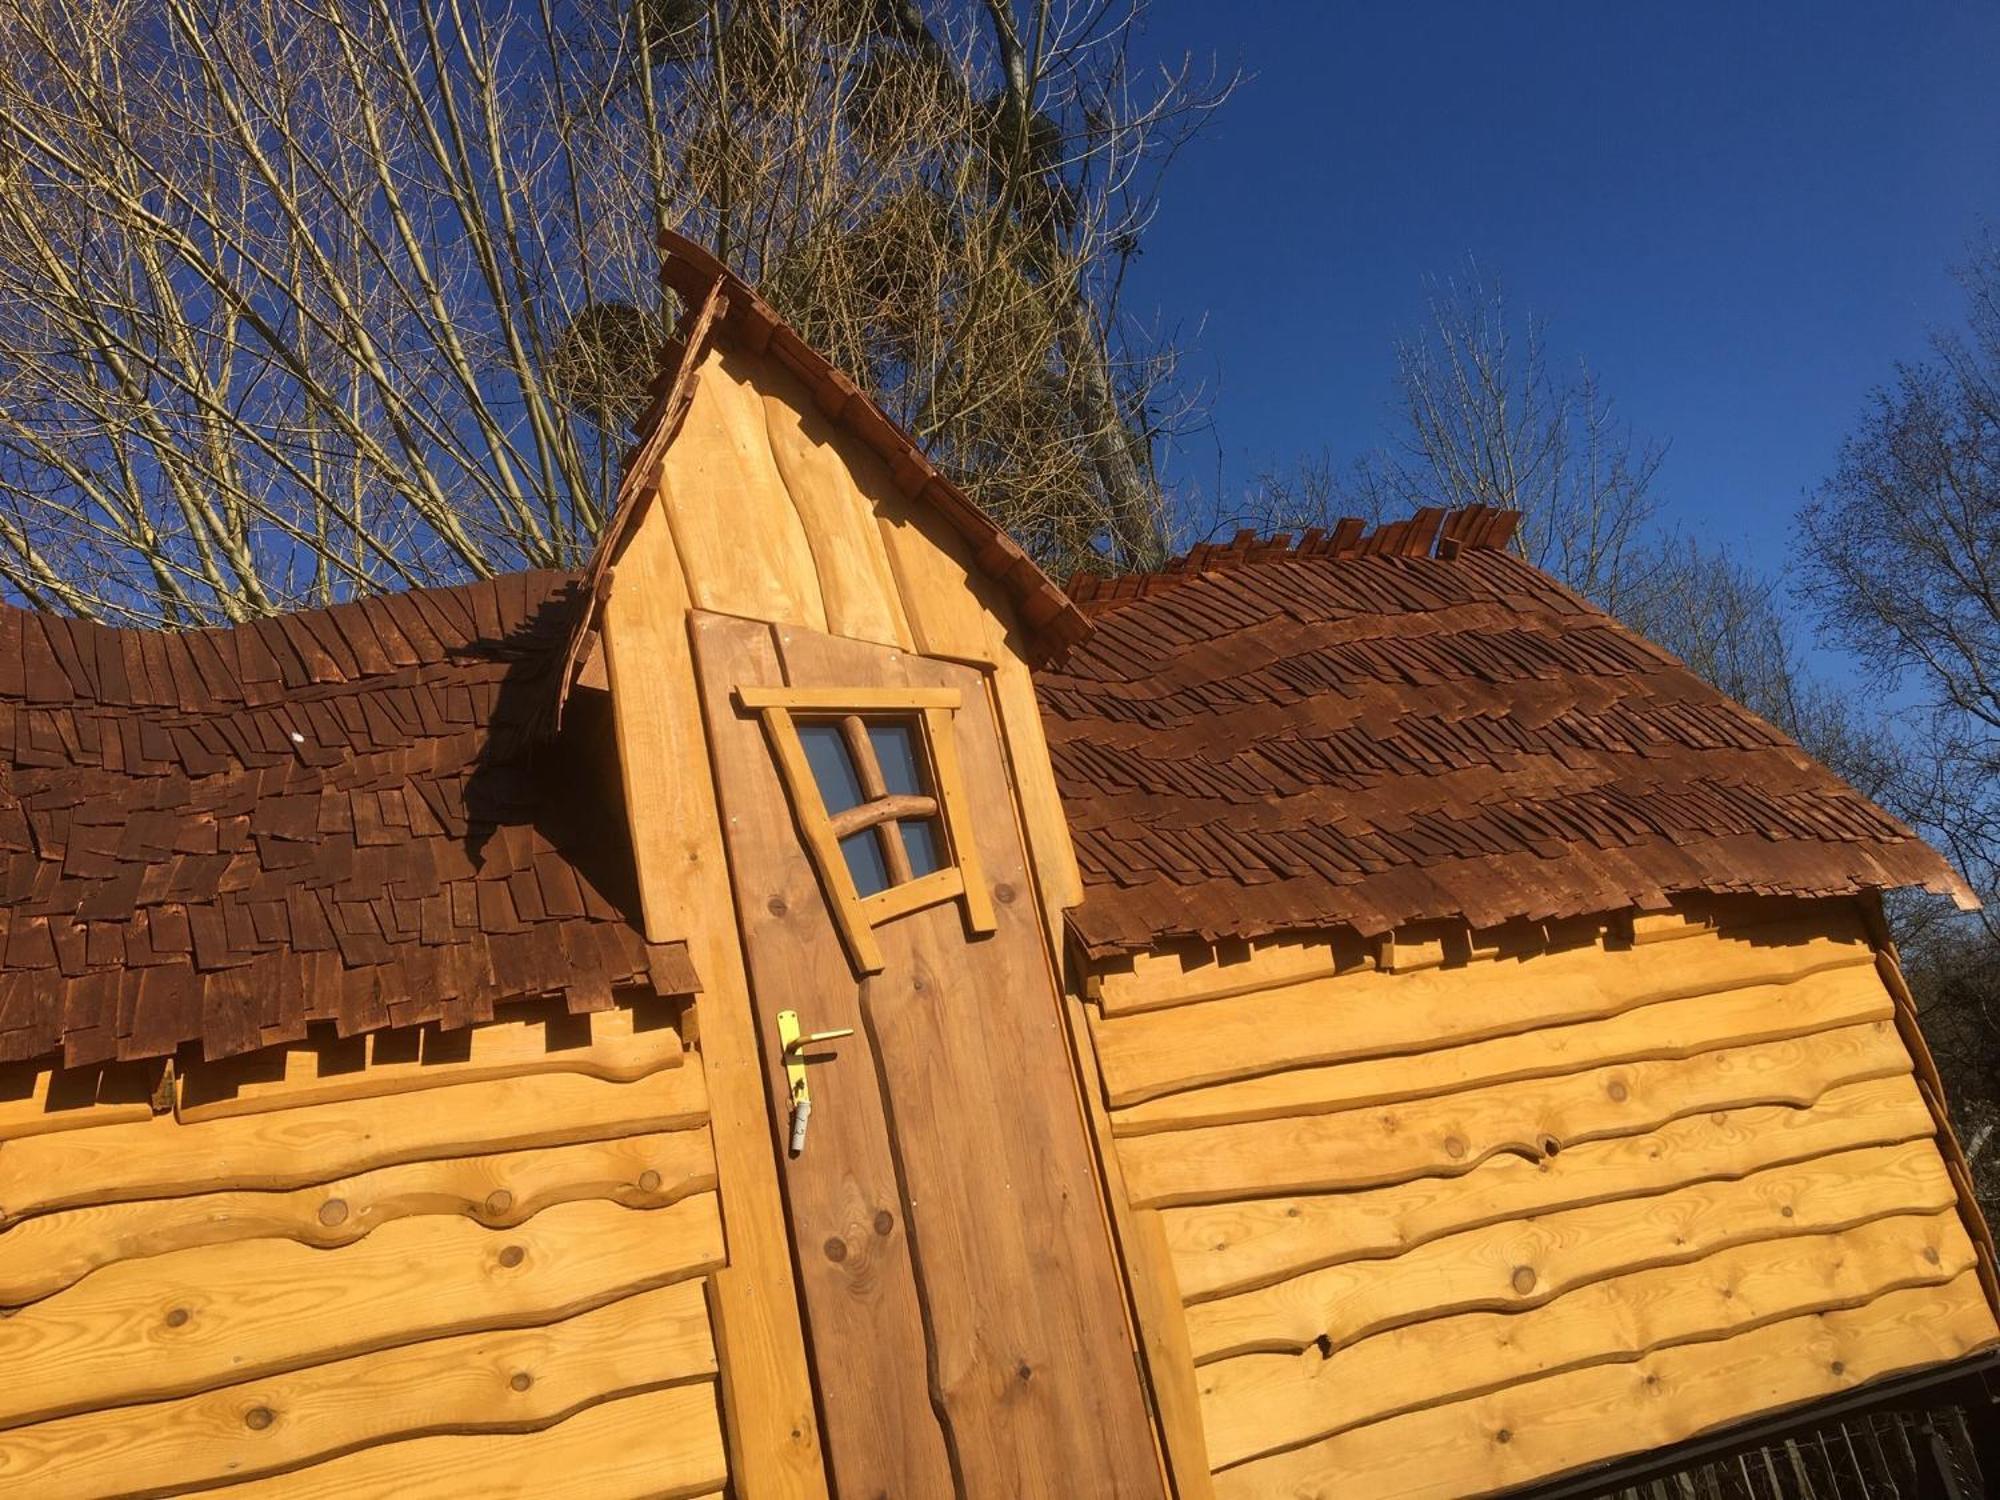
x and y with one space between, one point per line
499 1201
333 1212
777 906
521 1381
1524 1279
835 1248
1004 893
649 1181
1930 1254
258 1418
1504 1435
1023 1373
177 1317
1618 1092
512 1256
1839 1367
1786 1211
1454 1147
884 1221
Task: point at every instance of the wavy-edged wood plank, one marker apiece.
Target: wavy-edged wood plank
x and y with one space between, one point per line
1232 1247
506 1381
1191 973
663 1445
1260 1403
812 456
1669 1029
749 557
42 1255
37 1098
1510 1266
177 1324
1450 1134
162 1158
1372 1013
1546 1427
620 1045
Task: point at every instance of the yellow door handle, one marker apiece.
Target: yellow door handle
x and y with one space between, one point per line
792 1044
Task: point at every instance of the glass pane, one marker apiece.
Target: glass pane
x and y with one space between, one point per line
832 767
864 862
896 748
925 847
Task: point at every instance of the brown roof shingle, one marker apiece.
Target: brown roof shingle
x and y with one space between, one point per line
348 814
1371 730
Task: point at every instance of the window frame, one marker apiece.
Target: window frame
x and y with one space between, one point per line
932 715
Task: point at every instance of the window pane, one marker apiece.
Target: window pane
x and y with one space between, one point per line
926 849
864 862
896 748
832 768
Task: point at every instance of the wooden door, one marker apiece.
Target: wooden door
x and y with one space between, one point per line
966 1323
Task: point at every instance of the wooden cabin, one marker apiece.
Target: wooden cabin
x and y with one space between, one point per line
809 1007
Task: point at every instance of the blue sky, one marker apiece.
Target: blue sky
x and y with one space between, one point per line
1741 214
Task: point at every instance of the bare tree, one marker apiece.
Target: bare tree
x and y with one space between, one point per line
303 300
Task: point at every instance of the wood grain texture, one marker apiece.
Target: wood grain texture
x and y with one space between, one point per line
1227 1247
37 1098
1452 1133
742 547
857 1281
619 1044
773 1428
1191 973
1264 1402
1371 1013
162 1158
1510 1266
663 1445
176 1324
42 1255
1670 1029
815 460
508 1381
1549 1426
1031 1369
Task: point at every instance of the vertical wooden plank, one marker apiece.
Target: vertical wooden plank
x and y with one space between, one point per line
1034 1367
852 1246
684 886
742 546
957 612
1156 1294
814 459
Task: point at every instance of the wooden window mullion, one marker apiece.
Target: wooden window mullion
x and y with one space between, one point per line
875 788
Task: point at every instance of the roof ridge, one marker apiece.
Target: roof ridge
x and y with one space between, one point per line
1434 531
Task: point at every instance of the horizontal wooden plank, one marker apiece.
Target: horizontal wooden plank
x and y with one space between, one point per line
42 1255
173 1325
1263 1402
1190 974
1231 1247
1669 1029
1563 1422
163 1158
621 1044
663 1445
1510 1266
1452 1133
1372 1014
37 1097
512 1380
846 699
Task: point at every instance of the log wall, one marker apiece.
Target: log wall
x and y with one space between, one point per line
1454 1212
416 1263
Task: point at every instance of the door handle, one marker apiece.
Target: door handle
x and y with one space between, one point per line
791 1045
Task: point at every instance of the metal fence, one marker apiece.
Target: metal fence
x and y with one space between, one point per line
1891 1455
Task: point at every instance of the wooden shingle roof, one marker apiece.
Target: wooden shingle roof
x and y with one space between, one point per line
1370 730
350 814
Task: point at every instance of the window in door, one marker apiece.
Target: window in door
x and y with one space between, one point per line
873 778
